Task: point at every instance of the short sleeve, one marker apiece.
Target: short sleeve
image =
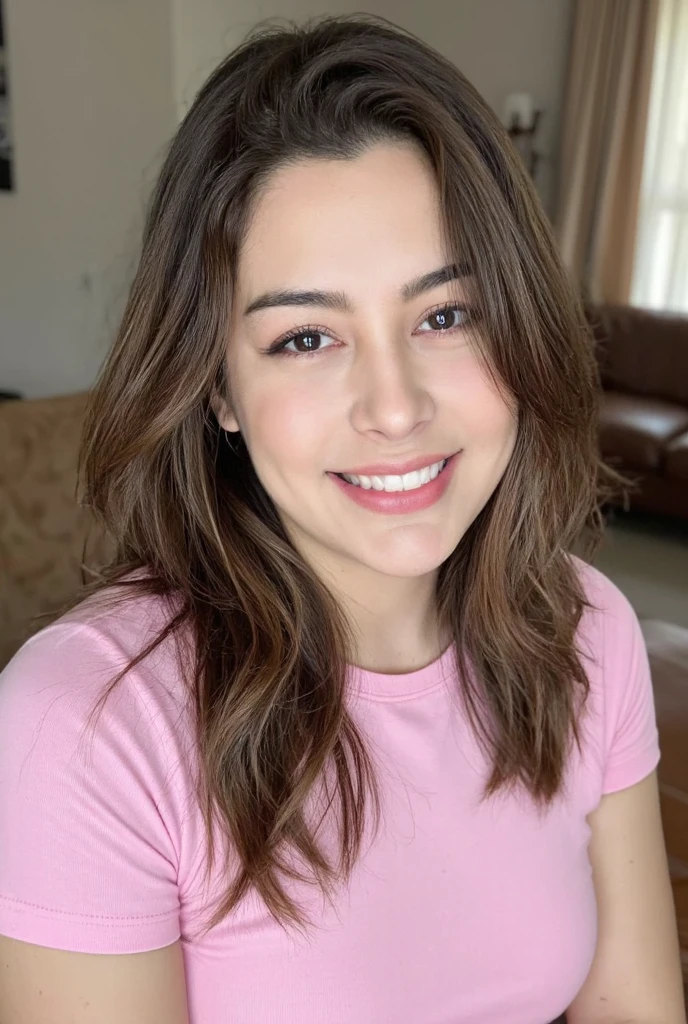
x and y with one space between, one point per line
631 738
87 862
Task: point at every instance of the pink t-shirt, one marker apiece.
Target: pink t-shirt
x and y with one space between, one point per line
458 911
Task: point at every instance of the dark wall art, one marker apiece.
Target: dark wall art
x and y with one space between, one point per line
6 172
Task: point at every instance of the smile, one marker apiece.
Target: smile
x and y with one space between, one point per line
398 494
406 482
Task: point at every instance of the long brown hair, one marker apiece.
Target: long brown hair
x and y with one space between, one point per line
269 644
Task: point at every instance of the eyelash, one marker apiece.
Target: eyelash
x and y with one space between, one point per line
278 347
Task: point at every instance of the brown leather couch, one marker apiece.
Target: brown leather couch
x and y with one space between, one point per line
643 358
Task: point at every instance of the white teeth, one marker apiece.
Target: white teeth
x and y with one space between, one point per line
407 482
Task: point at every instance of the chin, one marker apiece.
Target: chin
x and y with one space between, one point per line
408 564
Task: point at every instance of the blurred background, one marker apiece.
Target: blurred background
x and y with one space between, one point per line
595 96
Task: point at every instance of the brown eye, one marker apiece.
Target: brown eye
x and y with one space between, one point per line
445 319
306 342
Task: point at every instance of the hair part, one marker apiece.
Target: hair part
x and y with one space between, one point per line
264 643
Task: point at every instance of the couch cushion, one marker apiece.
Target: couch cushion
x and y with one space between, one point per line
676 458
637 430
642 351
42 528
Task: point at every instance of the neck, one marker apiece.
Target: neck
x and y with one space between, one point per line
393 619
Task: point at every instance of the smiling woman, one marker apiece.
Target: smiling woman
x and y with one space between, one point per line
392 383
345 733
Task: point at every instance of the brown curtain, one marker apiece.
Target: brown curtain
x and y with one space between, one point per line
602 143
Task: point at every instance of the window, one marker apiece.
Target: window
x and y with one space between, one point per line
660 276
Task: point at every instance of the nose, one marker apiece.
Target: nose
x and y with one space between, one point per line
391 398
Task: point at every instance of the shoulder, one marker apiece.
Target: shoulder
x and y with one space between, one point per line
598 588
621 717
93 792
90 644
77 673
609 628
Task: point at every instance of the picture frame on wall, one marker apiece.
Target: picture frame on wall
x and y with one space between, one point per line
6 163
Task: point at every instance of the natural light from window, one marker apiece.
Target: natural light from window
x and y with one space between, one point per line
660 279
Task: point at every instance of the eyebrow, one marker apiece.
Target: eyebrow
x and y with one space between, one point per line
341 302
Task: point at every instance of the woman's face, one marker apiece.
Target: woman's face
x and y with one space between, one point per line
381 377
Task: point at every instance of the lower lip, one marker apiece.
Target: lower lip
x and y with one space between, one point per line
400 502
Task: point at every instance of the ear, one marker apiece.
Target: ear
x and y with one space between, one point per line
224 413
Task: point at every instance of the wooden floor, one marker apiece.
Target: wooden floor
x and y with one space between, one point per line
647 557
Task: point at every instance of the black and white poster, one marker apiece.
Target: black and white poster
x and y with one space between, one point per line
6 178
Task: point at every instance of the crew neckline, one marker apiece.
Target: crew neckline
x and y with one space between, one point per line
402 685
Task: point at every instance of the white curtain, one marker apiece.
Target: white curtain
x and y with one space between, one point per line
604 129
660 274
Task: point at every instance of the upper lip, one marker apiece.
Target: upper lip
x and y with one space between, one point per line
396 468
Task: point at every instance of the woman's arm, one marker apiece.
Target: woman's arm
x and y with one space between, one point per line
636 974
50 986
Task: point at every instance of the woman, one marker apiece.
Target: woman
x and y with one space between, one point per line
342 729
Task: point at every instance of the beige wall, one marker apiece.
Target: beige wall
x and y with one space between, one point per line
502 46
92 107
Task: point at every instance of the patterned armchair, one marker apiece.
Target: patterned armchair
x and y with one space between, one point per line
42 528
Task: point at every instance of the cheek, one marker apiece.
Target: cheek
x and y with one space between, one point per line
487 418
494 423
286 426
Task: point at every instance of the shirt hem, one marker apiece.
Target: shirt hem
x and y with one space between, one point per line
83 934
631 772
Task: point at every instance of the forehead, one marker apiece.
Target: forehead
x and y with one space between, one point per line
321 222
